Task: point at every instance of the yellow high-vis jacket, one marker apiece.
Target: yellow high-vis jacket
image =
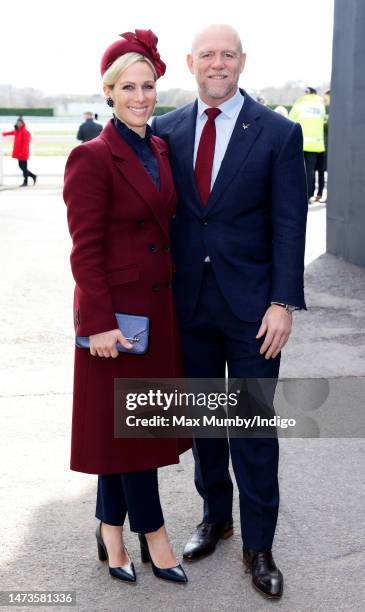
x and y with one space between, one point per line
310 112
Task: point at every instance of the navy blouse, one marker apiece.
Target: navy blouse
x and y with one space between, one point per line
141 147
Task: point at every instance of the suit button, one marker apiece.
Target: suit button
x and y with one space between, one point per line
166 248
173 217
153 248
204 222
156 287
141 223
168 285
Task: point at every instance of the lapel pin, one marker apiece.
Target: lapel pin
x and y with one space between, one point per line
245 125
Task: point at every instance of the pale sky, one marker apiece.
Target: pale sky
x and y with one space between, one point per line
57 46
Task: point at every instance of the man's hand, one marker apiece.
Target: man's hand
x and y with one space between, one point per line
276 324
104 344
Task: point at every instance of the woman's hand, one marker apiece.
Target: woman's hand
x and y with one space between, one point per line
104 344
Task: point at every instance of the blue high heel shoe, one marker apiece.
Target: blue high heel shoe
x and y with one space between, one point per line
174 574
126 572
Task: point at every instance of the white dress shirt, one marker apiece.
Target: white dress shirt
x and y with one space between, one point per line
224 125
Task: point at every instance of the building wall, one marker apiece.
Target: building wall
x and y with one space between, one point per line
346 149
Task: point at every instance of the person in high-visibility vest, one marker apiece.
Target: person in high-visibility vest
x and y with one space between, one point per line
309 111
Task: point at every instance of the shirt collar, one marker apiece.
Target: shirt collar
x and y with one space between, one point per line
130 135
230 108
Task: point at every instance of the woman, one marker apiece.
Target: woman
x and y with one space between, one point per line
120 197
21 149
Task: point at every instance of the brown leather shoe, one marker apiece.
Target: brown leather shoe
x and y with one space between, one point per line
205 538
266 577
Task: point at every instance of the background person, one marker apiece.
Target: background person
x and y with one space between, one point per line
309 112
281 110
22 138
327 102
89 129
120 198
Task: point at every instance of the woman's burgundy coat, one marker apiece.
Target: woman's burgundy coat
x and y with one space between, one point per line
121 262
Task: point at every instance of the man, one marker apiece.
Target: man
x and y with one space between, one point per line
238 239
89 129
309 111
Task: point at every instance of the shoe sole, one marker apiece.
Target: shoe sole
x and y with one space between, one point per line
227 534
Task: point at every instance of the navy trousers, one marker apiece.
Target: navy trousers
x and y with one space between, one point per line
132 492
213 338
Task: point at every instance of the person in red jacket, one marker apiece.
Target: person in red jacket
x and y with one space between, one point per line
21 149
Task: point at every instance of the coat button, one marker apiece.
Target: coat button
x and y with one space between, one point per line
168 285
204 222
173 217
153 248
156 287
166 248
141 223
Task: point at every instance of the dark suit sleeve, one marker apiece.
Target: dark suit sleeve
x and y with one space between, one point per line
86 196
289 207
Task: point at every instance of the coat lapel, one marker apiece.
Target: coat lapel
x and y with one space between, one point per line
167 188
242 140
130 167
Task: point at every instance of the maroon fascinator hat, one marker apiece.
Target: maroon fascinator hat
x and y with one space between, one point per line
142 41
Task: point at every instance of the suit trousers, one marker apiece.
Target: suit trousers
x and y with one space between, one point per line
213 338
133 492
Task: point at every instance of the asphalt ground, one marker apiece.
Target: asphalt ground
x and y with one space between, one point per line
47 512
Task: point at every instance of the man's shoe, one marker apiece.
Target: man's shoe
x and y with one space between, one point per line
266 577
205 538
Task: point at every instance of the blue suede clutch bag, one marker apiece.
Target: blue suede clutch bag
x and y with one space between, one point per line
135 329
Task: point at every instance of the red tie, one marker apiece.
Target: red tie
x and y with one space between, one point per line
205 155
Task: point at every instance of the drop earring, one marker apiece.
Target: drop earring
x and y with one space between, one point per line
109 101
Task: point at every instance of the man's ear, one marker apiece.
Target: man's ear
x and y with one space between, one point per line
190 63
243 61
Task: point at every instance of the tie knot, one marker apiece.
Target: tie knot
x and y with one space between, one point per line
212 113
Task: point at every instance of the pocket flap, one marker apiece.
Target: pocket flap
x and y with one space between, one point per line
123 275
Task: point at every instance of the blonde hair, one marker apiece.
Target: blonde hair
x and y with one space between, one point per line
123 62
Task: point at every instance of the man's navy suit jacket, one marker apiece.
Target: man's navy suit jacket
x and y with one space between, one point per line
253 226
